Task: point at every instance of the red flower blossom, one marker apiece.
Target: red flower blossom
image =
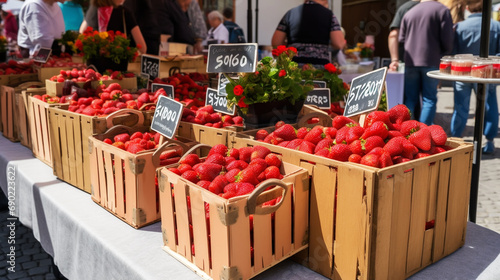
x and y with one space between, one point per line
241 103
282 73
330 68
346 86
279 50
293 49
238 90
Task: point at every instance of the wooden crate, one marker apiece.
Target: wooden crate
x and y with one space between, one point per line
370 223
192 63
8 104
56 89
165 66
17 79
69 142
124 183
22 123
222 243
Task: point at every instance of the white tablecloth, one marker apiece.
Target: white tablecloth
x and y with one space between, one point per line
87 242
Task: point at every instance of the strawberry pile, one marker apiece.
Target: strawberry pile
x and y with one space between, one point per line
386 138
48 99
208 117
86 75
63 61
186 89
13 67
230 172
138 142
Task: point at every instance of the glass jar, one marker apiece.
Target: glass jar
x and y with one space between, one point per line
482 68
445 64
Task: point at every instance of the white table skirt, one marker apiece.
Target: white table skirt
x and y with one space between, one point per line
87 242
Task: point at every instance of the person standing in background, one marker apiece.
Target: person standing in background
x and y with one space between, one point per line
176 22
198 25
217 31
10 27
467 41
146 14
427 34
396 49
105 15
311 28
72 14
40 23
236 34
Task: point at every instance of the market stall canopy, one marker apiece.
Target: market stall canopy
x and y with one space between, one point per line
12 5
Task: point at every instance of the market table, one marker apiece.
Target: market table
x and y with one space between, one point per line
87 242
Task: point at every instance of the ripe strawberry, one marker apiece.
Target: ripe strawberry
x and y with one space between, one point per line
422 155
283 143
108 141
399 114
247 175
246 154
422 139
218 149
258 165
208 171
235 153
217 159
395 146
184 167
330 131
119 145
323 153
217 185
113 86
378 116
437 150
286 132
123 137
399 159
326 143
315 135
279 124
238 120
354 158
408 127
259 152
204 184
340 152
373 142
272 172
191 176
244 188
394 133
409 150
294 144
302 132
273 160
438 135
261 134
357 147
371 160
231 174
228 160
191 159
340 121
237 164
307 147
135 148
342 135
354 133
175 170
377 128
385 160
377 151
229 191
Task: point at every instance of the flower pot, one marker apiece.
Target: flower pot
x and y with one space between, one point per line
3 56
267 114
103 63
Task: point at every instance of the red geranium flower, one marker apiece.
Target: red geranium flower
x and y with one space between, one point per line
238 90
282 73
241 103
330 68
293 49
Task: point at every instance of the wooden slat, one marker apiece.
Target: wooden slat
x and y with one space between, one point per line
86 132
102 176
239 239
44 131
427 250
349 229
120 186
219 236
441 206
301 210
56 131
94 173
130 191
182 220
66 128
110 180
262 242
167 210
283 228
202 258
420 190
80 149
145 188
401 184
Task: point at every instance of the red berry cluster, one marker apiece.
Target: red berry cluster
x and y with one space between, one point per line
230 172
13 67
186 89
208 117
386 138
86 75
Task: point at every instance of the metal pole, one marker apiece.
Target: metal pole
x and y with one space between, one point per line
257 21
479 119
249 21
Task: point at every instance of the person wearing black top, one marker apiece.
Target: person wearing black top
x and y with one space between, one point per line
146 14
176 22
310 28
121 19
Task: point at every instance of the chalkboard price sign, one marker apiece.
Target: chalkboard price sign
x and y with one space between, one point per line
167 116
365 92
223 81
319 97
168 89
219 102
232 58
150 65
43 55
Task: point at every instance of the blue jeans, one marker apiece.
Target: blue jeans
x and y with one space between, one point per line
417 83
461 97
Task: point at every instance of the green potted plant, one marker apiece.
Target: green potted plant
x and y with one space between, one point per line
338 88
274 92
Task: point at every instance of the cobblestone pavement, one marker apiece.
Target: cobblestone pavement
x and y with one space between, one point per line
488 207
33 263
